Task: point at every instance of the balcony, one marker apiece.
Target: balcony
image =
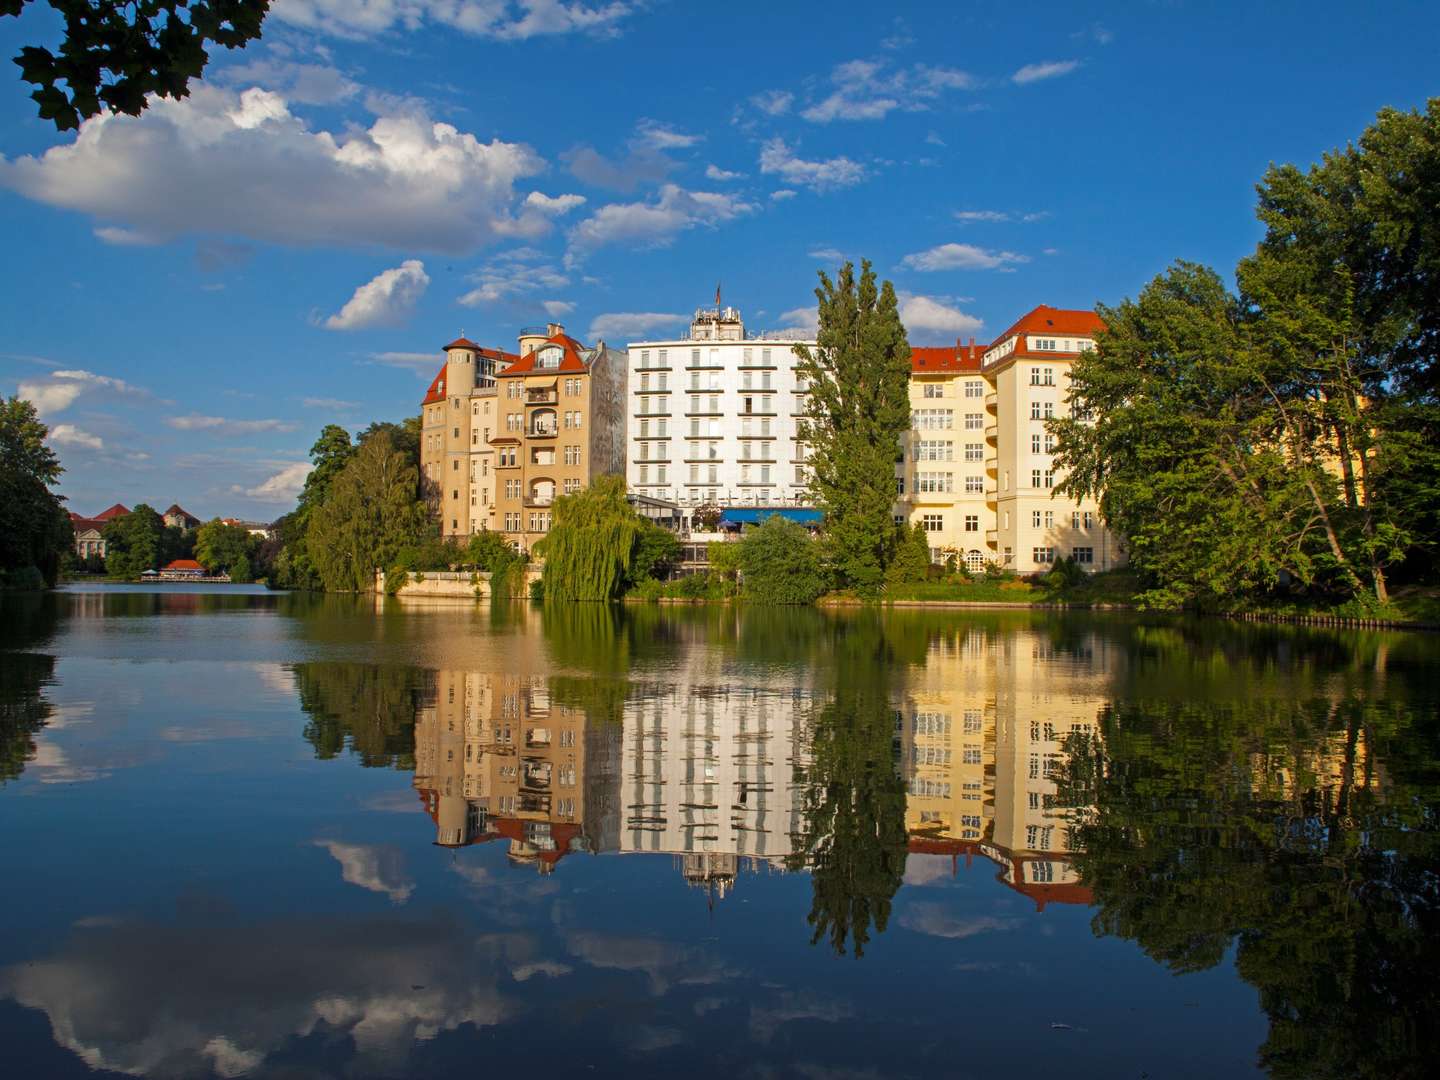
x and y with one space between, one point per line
992 537
538 502
992 465
992 431
549 396
542 431
992 401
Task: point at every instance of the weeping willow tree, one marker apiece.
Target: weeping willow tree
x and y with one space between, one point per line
591 543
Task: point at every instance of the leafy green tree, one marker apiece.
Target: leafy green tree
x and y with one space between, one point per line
241 572
859 406
292 566
368 516
657 552
912 558
134 542
854 838
219 547
35 531
591 544
114 55
780 563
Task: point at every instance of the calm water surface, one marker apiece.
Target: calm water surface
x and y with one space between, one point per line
248 834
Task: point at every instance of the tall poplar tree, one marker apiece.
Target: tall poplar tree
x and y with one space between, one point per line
859 406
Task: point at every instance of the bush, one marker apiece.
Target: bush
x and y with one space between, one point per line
1064 575
396 578
537 589
912 558
781 564
657 551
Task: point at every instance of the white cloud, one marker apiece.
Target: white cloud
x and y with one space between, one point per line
920 313
1045 69
937 920
801 318
557 308
826 254
329 403
933 138
244 165
631 325
960 257
505 20
714 172
868 90
70 435
653 224
556 205
782 194
663 136
221 425
417 360
59 390
773 102
377 867
307 84
777 158
387 299
512 274
981 215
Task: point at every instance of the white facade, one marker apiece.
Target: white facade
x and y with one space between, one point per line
712 416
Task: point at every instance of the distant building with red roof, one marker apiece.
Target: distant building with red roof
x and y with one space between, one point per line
177 517
90 531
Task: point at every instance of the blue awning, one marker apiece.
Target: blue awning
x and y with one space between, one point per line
745 515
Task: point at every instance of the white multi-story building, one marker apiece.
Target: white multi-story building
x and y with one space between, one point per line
712 416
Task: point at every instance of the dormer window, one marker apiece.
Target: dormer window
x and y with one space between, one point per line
550 357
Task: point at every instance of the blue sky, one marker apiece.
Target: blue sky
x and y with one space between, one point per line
190 295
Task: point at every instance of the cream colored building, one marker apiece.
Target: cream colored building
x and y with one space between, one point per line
941 475
978 471
503 434
458 416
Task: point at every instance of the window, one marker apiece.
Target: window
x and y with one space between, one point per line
933 419
934 482
1043 376
1048 479
899 485
1042 345
1049 519
974 388
1035 519
972 522
931 723
934 450
455 465
974 451
1085 556
974 484
1043 555
932 522
934 390
973 721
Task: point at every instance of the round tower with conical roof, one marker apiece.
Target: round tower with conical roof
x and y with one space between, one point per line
460 368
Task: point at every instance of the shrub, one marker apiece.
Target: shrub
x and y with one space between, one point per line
396 578
912 558
781 564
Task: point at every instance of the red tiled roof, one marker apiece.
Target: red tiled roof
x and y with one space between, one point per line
1045 319
118 510
570 362
183 564
461 343
437 388
947 358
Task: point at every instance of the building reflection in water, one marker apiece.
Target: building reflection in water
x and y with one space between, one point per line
713 773
497 760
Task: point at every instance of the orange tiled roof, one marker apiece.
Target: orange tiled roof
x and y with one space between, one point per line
118 510
570 362
1045 319
947 358
437 387
183 564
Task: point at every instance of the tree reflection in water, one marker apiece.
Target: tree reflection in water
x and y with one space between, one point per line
1304 834
854 839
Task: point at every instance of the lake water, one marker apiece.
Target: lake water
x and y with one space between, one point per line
249 834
